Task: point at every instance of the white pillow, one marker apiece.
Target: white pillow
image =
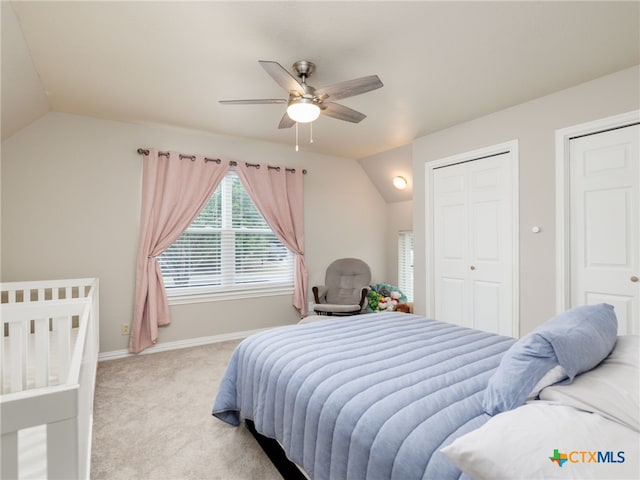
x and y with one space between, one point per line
612 389
519 444
554 375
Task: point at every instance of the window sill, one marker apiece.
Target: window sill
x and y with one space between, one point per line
194 295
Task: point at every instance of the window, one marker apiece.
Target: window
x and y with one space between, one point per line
228 251
405 264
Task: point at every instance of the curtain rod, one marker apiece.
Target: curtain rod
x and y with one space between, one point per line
233 163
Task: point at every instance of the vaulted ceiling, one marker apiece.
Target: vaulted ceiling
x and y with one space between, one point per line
442 63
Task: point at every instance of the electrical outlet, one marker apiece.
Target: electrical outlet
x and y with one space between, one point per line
124 330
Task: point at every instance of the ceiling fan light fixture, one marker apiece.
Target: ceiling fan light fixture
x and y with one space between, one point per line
303 110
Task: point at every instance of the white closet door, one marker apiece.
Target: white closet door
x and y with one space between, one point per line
605 222
473 244
451 246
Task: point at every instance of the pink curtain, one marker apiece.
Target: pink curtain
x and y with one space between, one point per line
175 189
278 194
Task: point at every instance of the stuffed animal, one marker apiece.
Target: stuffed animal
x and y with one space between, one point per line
389 303
384 297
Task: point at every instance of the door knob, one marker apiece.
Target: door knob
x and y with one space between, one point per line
473 267
634 279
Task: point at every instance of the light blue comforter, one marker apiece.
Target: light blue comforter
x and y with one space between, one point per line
365 397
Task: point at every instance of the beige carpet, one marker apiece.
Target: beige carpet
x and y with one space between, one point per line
152 420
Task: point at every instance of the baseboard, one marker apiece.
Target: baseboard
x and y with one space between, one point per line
192 342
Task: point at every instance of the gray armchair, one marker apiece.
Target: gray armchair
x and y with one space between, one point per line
345 290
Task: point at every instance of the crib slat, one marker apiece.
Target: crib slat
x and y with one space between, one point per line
18 346
62 326
41 352
12 296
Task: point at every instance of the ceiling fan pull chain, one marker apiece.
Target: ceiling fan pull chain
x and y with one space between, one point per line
296 136
311 132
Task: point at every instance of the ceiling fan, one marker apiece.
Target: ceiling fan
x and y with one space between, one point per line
306 103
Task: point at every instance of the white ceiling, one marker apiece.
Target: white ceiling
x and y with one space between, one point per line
441 63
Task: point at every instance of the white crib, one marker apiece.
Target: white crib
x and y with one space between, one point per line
48 356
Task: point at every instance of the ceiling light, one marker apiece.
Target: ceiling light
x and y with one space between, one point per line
400 182
303 110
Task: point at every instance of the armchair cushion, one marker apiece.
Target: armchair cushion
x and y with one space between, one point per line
344 295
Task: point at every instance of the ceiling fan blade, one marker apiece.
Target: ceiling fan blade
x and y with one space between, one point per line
261 101
286 121
350 88
282 76
335 110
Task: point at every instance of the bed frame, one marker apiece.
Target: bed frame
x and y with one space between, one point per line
274 451
48 356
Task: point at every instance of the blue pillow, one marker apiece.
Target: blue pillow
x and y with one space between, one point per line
577 340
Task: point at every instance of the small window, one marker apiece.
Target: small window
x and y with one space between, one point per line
229 248
405 263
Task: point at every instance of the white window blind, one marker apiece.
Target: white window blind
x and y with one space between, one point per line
229 247
405 263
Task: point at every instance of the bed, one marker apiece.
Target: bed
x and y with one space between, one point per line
48 357
398 396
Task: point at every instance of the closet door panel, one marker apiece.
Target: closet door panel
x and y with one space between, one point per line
486 304
451 243
605 222
490 211
473 243
486 231
452 300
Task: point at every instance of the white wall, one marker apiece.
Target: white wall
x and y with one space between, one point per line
400 218
533 124
384 166
70 208
381 169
